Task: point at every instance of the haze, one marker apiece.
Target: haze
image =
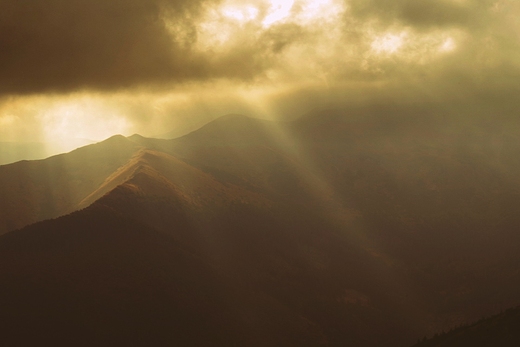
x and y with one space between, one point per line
259 172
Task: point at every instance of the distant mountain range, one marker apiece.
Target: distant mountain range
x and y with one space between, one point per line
326 230
11 152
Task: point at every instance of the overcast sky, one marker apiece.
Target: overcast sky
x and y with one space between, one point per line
92 68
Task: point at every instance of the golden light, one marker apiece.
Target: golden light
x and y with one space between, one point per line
68 123
448 45
408 46
7 120
389 43
320 10
241 14
278 10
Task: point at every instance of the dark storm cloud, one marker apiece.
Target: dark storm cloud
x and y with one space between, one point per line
62 45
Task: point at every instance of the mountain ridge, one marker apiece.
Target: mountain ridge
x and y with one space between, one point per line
500 330
403 233
36 190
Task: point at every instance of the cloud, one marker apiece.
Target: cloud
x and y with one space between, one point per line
205 58
423 14
70 45
62 45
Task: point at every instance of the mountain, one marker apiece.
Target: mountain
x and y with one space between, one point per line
502 330
437 200
98 278
173 256
37 190
337 230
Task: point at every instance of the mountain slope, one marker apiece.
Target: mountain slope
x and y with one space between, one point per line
287 252
97 278
376 234
439 200
32 191
178 178
502 330
163 248
298 280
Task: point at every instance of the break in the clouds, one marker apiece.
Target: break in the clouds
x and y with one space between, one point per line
148 65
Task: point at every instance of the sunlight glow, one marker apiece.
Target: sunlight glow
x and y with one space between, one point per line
407 46
70 122
389 43
279 10
320 10
448 45
227 26
7 120
241 14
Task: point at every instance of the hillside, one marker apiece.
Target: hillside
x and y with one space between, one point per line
154 242
437 200
372 232
32 191
98 278
502 330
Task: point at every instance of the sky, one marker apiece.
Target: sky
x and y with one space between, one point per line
88 69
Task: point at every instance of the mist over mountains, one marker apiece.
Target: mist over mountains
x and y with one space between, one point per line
11 152
326 230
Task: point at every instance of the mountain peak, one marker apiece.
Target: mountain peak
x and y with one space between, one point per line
115 138
231 129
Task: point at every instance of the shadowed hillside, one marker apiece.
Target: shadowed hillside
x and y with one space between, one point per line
502 330
157 261
442 196
99 278
373 232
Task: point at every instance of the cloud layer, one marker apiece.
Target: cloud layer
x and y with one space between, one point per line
66 45
62 45
149 63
